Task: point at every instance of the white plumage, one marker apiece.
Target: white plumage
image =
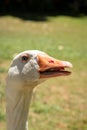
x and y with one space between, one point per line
27 70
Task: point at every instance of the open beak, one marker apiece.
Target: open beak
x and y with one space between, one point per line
51 67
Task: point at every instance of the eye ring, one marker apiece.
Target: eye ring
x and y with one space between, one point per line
25 57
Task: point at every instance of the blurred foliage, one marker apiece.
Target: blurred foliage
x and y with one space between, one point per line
73 7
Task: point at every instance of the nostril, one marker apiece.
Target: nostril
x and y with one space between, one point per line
51 61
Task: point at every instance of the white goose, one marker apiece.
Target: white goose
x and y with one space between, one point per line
27 70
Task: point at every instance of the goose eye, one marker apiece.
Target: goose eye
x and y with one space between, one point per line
25 58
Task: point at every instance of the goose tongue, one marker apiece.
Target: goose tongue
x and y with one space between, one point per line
51 67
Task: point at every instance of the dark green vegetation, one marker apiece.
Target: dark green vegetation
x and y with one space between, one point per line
59 103
71 7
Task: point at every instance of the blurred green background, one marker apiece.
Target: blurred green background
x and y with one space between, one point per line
59 103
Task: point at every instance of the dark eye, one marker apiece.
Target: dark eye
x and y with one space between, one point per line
25 58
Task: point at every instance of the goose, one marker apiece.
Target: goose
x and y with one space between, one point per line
27 70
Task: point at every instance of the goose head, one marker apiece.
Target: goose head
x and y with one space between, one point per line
32 67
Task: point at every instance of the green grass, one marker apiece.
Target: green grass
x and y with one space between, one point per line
59 103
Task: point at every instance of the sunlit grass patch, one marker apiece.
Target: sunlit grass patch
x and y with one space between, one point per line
59 103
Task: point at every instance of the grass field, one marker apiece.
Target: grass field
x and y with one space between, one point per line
59 103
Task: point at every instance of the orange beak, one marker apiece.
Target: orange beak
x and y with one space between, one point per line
51 67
